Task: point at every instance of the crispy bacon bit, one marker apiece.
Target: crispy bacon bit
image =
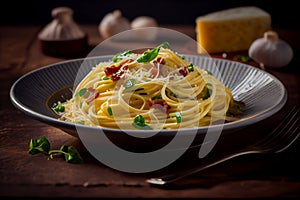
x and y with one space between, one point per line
183 71
114 69
150 103
159 104
119 74
111 70
160 60
154 72
91 95
116 72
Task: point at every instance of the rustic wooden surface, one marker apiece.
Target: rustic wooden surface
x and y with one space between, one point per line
25 175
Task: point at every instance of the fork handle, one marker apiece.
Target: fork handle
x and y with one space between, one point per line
184 173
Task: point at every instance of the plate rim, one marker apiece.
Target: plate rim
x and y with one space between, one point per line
227 126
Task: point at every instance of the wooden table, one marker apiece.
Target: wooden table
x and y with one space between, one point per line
25 175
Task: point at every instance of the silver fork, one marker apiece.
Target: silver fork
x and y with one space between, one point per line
277 141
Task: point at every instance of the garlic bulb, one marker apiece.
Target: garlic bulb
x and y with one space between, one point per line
63 36
62 27
141 28
270 51
113 23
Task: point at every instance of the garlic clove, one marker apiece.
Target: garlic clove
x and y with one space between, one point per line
271 51
113 23
143 21
141 27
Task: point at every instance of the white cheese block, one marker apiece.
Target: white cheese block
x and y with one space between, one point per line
232 29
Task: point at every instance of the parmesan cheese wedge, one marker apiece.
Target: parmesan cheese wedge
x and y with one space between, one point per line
231 30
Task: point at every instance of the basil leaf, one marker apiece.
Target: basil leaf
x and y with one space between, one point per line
81 92
71 154
148 55
41 145
151 54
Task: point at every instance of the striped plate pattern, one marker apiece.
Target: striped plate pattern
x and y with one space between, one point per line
262 93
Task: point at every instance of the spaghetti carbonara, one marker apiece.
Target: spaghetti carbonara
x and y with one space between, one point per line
156 89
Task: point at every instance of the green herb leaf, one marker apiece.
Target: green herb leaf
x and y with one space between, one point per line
58 107
139 123
178 117
148 55
105 78
206 93
71 154
190 67
129 83
116 57
81 92
109 110
151 54
139 119
41 145
119 56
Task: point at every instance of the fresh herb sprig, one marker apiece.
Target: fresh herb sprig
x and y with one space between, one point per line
58 107
151 54
42 145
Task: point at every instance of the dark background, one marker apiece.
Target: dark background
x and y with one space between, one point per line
284 13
